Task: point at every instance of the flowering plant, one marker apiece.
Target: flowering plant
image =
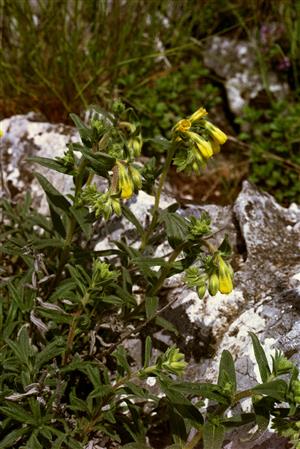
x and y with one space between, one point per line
68 309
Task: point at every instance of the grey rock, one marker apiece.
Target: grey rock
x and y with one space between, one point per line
266 298
235 61
30 135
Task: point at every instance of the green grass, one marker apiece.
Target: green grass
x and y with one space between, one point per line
59 56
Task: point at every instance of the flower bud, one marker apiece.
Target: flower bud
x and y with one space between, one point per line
215 132
199 114
203 145
201 290
136 177
135 145
116 206
213 284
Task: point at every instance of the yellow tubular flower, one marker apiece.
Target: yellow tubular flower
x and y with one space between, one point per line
1 133
200 113
203 145
215 132
225 280
125 183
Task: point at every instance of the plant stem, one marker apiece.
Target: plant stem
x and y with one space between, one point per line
162 179
166 269
71 228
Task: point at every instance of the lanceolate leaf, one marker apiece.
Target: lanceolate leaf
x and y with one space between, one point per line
49 163
260 358
53 195
83 218
276 389
100 162
176 227
227 371
213 436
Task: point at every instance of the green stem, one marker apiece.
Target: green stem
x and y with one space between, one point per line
162 179
71 228
166 269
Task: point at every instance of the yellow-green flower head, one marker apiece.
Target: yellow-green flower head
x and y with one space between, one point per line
215 132
225 280
198 115
203 145
125 183
1 133
183 125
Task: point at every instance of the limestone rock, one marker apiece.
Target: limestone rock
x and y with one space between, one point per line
235 61
29 135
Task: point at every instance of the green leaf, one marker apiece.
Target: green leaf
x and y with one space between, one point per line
9 440
213 436
121 357
182 405
177 424
84 132
177 227
53 195
83 218
100 162
148 351
17 413
57 222
162 322
49 163
225 247
206 390
52 350
260 358
276 389
227 372
48 243
238 420
151 304
132 218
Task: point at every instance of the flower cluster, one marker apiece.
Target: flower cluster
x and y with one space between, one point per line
129 179
216 277
197 139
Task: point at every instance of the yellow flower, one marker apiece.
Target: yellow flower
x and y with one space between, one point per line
183 125
216 133
203 145
225 279
200 113
1 133
125 183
